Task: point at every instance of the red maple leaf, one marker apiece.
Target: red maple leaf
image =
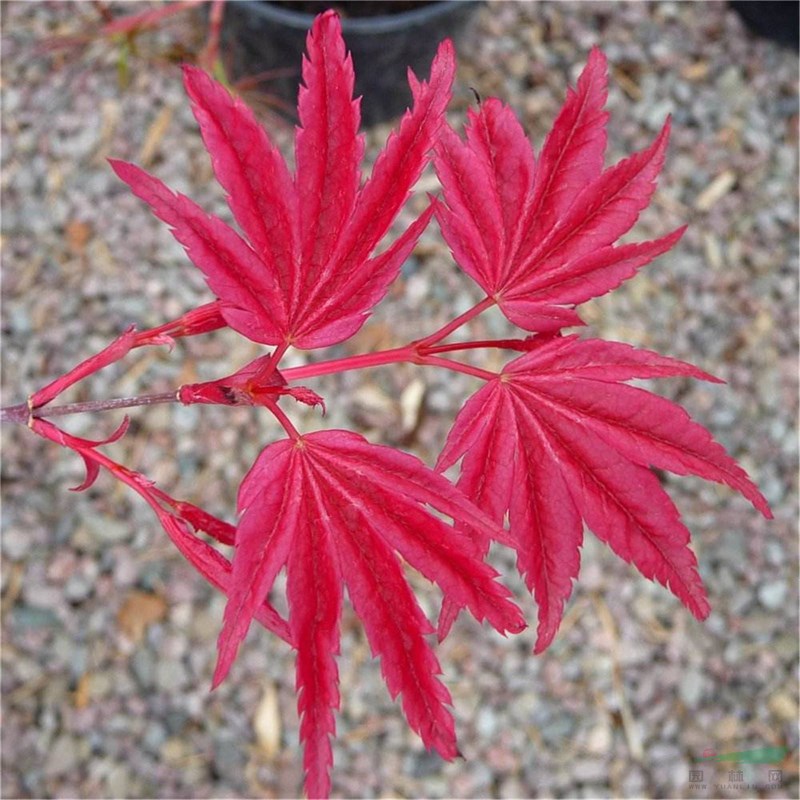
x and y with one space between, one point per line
539 237
557 439
303 272
336 510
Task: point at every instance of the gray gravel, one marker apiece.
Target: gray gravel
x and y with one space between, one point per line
108 636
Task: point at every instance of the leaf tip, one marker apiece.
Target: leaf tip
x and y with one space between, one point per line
220 671
326 25
662 139
193 79
517 625
447 51
759 502
119 166
597 60
701 608
544 638
443 68
190 71
447 616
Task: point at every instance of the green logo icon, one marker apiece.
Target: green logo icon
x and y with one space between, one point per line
761 755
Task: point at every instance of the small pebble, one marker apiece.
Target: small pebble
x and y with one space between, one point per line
772 595
691 687
62 756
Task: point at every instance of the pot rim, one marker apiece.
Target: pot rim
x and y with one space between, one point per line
385 23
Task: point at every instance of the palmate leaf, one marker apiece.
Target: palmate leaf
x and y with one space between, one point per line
539 237
557 439
303 272
337 511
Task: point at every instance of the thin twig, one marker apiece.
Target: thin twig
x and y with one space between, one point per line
21 413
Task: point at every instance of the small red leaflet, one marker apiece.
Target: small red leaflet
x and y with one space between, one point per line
334 509
303 274
214 567
257 383
557 439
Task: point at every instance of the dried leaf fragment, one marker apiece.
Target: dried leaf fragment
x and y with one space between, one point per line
267 722
139 611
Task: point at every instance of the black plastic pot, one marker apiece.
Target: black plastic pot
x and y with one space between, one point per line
771 19
262 36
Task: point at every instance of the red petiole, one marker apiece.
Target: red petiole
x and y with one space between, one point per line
423 352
